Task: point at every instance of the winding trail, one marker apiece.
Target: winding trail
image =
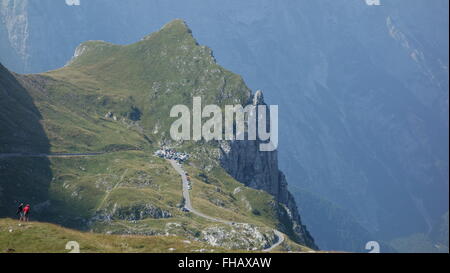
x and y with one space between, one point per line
188 205
7 155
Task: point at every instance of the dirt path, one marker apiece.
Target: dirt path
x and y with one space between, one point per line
188 205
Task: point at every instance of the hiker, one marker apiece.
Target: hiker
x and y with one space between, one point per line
20 211
26 212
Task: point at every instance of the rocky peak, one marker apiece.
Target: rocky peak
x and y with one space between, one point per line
177 27
177 24
258 98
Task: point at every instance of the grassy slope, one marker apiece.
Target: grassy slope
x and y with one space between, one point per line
39 237
164 69
43 237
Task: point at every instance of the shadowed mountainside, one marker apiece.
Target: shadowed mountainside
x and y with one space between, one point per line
21 179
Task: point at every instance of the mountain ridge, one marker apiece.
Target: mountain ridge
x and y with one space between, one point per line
116 96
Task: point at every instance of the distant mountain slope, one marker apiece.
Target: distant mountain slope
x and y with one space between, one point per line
346 233
435 241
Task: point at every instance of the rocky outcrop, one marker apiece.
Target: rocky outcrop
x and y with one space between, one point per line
259 170
241 236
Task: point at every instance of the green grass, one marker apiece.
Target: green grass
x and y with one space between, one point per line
224 197
39 237
122 179
35 237
290 246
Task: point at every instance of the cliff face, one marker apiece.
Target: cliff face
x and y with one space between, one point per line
244 161
14 33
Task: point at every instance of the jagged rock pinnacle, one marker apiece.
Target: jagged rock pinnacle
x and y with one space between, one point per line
258 98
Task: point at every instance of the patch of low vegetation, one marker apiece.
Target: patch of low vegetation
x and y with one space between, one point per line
36 237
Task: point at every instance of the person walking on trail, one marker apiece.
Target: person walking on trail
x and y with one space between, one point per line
20 212
26 212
